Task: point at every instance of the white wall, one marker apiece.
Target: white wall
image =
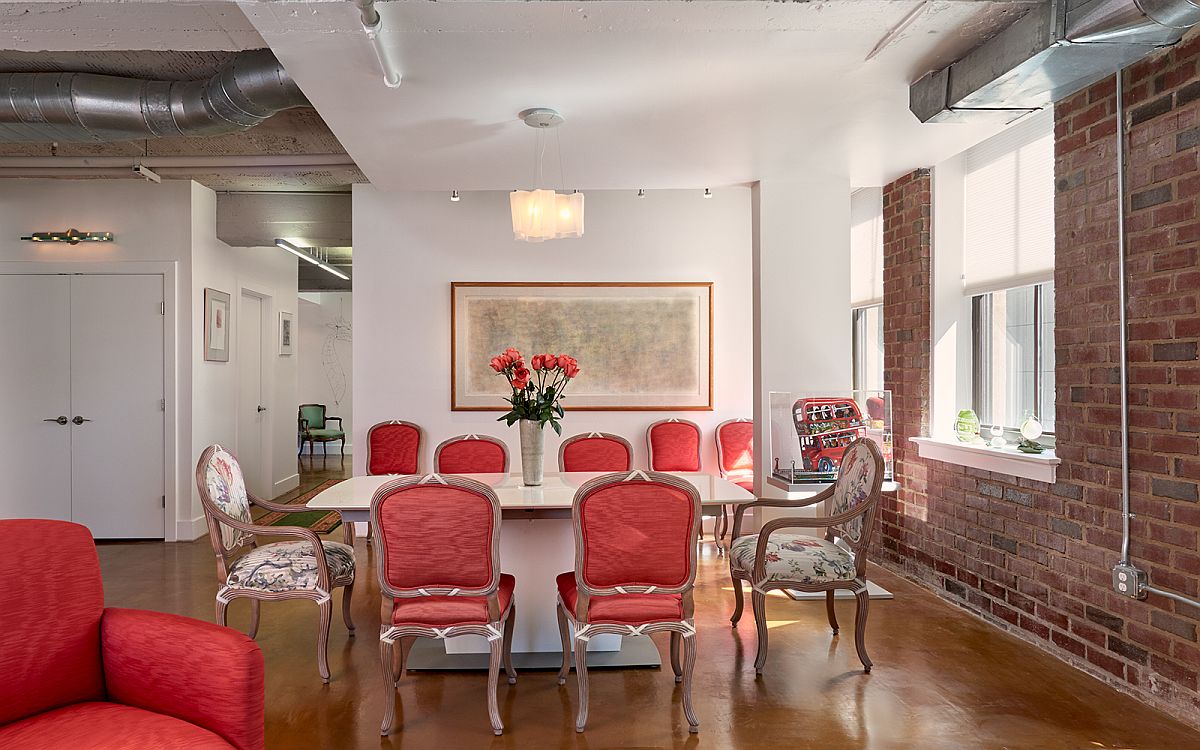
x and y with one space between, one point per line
408 247
324 376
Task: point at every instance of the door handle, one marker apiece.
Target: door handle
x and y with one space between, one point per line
261 408
59 420
80 420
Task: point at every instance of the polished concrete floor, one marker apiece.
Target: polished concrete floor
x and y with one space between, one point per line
942 678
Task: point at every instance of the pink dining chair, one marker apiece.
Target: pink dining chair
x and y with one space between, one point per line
394 448
673 445
471 454
595 451
635 565
439 574
735 461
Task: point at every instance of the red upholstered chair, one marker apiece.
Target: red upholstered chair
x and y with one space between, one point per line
308 568
394 448
79 675
772 560
439 573
595 451
673 445
635 564
735 460
471 454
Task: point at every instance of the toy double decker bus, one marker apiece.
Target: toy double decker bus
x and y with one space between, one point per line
825 428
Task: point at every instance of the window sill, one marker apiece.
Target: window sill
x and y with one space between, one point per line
1040 467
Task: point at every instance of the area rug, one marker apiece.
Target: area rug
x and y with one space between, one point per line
319 521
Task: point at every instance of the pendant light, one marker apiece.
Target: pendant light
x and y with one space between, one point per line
543 213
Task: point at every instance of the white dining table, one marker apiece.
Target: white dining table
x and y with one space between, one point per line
536 544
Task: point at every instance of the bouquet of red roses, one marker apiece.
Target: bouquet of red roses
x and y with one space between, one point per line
537 388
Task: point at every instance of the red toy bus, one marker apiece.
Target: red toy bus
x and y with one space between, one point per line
825 427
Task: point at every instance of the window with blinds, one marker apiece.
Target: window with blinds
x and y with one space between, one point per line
1008 207
866 247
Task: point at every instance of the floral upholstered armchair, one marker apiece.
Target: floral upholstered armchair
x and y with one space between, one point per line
308 568
772 560
314 427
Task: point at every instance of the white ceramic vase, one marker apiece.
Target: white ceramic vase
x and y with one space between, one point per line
533 449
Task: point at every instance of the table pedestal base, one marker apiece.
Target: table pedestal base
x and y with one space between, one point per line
429 654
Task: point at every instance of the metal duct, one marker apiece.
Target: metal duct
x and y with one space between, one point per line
74 107
1051 52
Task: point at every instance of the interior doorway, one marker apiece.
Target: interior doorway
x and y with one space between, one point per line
253 424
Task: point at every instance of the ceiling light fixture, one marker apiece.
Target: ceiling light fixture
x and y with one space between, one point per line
641 192
707 193
304 253
454 196
543 213
72 236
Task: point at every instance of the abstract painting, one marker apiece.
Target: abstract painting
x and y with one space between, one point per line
640 346
216 326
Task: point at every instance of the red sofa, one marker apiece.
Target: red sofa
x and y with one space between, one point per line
78 675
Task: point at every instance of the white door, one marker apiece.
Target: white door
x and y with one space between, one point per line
117 414
251 403
35 378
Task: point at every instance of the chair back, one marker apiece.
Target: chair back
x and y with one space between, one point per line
674 445
223 496
471 454
735 447
859 486
394 448
595 451
312 416
435 535
636 529
53 603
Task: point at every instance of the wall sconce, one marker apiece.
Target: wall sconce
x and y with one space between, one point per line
72 236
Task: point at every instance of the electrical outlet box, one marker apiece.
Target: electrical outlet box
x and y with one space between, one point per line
1129 581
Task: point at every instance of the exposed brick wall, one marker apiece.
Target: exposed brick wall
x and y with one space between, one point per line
1035 558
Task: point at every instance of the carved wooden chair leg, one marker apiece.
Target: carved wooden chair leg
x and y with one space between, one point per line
348 532
347 600
343 450
310 447
326 608
759 600
509 625
863 600
497 649
738 602
222 618
400 657
675 667
564 635
689 667
387 650
582 675
254 617
829 598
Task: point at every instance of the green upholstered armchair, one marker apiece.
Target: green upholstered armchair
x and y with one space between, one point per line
314 427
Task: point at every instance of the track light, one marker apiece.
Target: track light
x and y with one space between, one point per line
641 192
454 196
707 193
303 254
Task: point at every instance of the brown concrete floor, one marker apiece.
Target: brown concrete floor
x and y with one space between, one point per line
942 678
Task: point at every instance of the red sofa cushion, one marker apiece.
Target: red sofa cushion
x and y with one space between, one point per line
50 618
92 726
444 611
622 609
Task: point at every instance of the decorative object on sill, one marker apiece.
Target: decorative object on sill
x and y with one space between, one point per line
1031 430
535 401
543 213
998 440
966 427
72 236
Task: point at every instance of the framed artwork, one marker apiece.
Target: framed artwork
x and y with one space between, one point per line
287 332
641 346
216 326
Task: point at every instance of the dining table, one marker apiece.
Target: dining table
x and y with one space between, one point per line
537 543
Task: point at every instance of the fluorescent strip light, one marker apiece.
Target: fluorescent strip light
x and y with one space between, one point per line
303 254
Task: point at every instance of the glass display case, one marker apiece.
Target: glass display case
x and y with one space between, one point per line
810 431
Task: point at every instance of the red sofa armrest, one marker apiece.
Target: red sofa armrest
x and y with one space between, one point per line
205 674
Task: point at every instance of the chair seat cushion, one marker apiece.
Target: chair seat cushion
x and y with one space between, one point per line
796 558
623 609
325 434
92 726
288 566
444 611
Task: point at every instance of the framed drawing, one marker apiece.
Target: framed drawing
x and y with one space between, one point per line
641 346
216 326
286 333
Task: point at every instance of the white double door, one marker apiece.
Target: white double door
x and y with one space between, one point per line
81 373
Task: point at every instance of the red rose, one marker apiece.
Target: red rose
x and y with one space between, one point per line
521 373
536 362
513 353
571 369
563 361
520 383
497 365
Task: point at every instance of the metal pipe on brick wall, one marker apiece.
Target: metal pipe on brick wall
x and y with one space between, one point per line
1121 294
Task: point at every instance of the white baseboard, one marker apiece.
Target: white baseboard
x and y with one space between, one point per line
190 530
320 448
285 485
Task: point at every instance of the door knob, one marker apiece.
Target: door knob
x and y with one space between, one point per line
262 408
60 420
80 420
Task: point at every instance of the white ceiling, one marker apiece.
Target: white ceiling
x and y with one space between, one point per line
656 94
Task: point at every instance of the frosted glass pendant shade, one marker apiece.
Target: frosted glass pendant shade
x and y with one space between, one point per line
570 214
539 215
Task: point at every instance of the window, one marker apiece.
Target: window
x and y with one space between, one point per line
868 348
866 287
1013 357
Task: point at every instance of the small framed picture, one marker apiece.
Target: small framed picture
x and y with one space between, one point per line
216 326
287 333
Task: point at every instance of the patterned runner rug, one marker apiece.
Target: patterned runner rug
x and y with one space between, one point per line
318 520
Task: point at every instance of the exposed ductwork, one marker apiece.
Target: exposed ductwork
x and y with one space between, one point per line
80 107
1051 52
